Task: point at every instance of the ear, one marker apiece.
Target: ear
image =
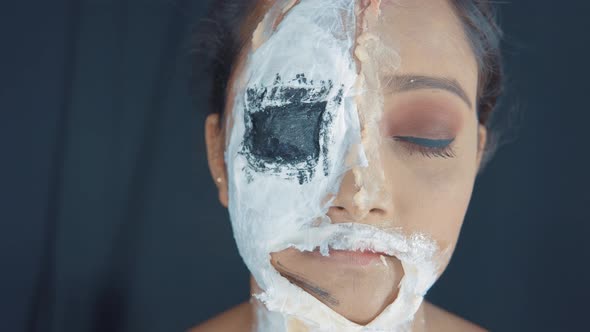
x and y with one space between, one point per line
215 142
482 137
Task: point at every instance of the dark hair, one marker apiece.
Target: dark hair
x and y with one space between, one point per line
219 41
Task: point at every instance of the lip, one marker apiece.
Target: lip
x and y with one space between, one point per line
348 257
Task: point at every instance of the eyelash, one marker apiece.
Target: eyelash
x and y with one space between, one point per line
440 148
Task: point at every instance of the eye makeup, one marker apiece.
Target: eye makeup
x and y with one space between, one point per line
425 142
425 125
427 147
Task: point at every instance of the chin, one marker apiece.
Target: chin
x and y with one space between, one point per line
356 285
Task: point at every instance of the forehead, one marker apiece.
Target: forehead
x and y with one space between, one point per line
427 34
430 40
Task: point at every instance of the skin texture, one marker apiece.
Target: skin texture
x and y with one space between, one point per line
420 189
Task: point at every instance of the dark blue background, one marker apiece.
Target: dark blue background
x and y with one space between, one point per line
109 220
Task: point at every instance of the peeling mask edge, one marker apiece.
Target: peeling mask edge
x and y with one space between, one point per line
288 211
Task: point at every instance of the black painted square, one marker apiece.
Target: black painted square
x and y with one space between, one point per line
285 125
288 133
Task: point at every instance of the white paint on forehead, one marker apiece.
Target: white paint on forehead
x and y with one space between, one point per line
271 208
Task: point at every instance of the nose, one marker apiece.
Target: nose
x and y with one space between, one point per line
361 198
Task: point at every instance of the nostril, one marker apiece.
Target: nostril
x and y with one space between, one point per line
339 214
337 209
377 211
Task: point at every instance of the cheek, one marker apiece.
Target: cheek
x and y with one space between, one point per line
430 199
431 195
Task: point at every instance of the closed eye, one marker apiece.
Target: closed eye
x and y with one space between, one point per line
428 147
427 142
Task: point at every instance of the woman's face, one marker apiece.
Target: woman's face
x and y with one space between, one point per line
426 150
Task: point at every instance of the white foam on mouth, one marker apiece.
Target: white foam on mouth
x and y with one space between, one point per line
359 237
271 211
417 253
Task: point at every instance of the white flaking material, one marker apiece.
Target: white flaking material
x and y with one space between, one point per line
272 211
374 58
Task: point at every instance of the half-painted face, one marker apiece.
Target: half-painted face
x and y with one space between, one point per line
351 153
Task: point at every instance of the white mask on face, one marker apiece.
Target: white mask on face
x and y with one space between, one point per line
294 132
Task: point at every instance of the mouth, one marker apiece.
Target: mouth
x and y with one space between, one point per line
355 283
348 257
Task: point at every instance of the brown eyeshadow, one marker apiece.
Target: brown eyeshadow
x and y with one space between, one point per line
429 117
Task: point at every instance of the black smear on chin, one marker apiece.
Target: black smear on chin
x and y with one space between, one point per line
308 286
284 126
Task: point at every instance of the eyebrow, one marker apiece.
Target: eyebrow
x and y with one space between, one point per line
400 83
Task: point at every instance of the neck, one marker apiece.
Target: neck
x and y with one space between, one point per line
265 321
